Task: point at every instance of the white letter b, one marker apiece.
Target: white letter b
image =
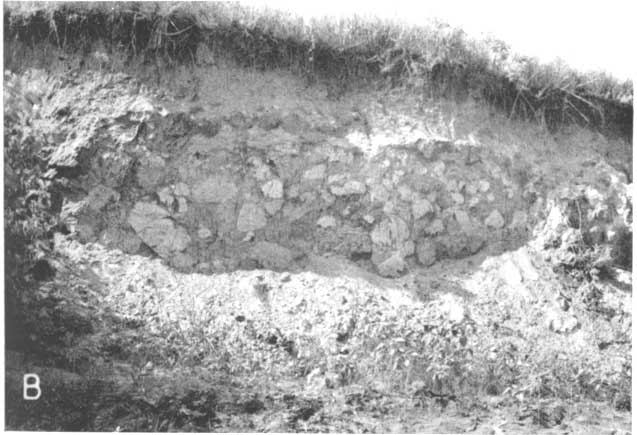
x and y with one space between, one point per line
32 382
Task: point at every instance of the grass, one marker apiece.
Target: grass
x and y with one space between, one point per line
432 58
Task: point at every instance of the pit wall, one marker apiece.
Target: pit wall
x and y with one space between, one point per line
266 187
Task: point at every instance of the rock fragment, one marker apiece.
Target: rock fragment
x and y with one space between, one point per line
421 208
494 220
153 225
326 222
273 189
426 252
315 173
251 217
390 233
392 267
273 206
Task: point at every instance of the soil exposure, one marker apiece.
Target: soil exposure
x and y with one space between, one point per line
246 249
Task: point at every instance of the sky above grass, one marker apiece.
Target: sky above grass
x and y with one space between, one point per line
587 35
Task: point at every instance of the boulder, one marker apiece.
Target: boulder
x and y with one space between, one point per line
153 225
251 217
390 233
393 266
72 153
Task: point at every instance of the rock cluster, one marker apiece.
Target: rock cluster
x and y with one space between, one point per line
257 187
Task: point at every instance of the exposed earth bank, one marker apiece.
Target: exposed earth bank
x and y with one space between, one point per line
239 252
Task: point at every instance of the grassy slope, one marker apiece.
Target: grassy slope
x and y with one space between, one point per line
429 58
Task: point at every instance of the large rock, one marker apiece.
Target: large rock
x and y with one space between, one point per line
74 152
153 225
251 217
390 233
214 189
353 242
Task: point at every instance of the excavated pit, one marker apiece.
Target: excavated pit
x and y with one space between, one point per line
469 218
210 188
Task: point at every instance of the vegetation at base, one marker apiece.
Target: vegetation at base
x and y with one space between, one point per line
433 59
31 205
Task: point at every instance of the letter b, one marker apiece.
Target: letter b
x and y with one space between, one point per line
31 383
